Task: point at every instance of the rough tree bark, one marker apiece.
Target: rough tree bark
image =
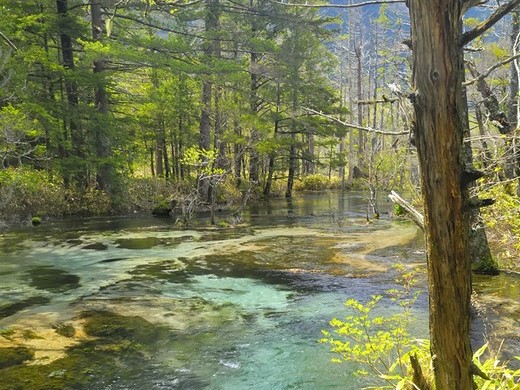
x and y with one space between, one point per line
437 81
513 113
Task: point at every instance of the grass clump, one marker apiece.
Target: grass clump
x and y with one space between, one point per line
317 182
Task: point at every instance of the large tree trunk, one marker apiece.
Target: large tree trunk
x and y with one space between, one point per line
292 167
211 26
513 112
437 70
359 57
292 149
71 86
102 140
159 132
272 155
254 105
70 118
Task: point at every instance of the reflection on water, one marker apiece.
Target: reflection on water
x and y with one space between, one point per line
137 303
497 314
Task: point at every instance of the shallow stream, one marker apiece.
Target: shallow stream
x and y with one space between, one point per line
138 303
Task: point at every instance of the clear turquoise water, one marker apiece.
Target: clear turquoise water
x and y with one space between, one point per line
243 307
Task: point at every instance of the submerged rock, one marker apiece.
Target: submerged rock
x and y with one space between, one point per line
13 308
52 279
13 356
97 246
115 327
65 330
119 347
173 271
138 243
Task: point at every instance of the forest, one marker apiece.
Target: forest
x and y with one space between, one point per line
145 98
174 107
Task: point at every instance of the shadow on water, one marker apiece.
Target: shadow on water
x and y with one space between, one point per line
137 303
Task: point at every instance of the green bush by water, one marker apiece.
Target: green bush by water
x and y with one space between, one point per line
382 346
317 182
502 222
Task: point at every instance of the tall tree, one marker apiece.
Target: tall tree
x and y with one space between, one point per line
71 86
514 80
102 142
438 70
211 23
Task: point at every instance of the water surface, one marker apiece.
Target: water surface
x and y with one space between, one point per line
139 303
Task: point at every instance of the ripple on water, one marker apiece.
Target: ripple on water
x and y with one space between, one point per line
217 309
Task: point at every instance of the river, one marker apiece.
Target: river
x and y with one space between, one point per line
139 303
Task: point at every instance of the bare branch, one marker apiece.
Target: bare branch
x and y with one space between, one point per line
376 101
489 70
414 214
362 128
490 100
362 4
8 41
500 12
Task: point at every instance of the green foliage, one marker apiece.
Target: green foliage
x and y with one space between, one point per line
398 210
380 344
502 221
20 140
203 161
27 192
499 375
317 182
498 51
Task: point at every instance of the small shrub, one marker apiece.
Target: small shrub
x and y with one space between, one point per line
163 209
317 182
399 211
145 193
502 222
89 202
28 192
382 345
227 192
379 344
